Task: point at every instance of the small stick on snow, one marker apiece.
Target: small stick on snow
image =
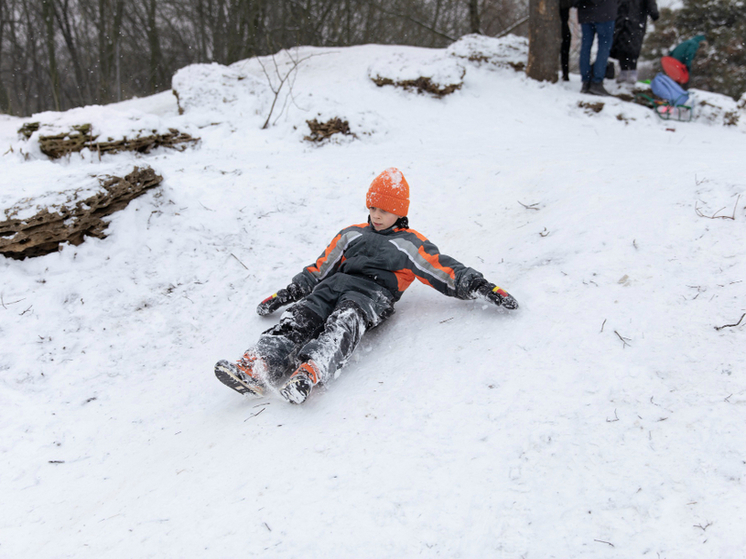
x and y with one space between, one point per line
624 340
531 207
603 324
731 325
236 257
607 543
715 215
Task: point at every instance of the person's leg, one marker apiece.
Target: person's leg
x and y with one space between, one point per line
566 40
632 76
323 356
605 31
342 333
278 347
586 42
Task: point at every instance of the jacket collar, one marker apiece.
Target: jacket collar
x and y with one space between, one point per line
401 223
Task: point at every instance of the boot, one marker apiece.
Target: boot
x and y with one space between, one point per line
632 76
597 88
299 386
240 376
585 87
622 76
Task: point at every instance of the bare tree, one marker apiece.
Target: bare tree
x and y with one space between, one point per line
49 29
474 24
5 105
57 54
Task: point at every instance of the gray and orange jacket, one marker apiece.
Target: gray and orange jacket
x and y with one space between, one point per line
392 259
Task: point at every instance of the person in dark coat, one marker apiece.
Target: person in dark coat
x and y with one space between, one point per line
596 17
629 31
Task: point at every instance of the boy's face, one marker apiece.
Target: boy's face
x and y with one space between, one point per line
381 219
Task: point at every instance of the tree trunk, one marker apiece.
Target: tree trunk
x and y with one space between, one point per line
474 24
64 21
54 77
155 46
543 40
4 98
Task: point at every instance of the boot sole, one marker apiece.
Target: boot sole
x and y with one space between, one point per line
291 394
226 376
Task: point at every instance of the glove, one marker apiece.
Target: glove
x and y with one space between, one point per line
290 294
496 295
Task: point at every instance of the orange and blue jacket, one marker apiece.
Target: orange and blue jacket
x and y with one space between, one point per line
392 258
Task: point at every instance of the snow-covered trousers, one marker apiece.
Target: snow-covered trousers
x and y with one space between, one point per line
325 327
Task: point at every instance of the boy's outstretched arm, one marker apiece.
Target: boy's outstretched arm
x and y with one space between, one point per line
493 294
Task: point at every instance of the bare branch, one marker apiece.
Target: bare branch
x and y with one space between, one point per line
236 257
731 325
715 215
624 340
531 207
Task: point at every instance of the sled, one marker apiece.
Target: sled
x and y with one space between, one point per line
666 110
675 70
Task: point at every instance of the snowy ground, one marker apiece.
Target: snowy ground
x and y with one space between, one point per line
604 419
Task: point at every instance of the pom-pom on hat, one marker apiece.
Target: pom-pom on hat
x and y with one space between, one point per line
389 191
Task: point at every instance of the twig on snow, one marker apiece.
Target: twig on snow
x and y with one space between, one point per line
731 325
624 340
2 301
531 207
254 414
715 215
607 543
602 325
236 257
616 418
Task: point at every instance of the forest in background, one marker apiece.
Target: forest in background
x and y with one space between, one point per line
59 54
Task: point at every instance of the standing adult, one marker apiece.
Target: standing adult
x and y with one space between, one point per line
629 31
596 17
565 6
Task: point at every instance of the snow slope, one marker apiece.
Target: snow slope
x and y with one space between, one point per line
603 419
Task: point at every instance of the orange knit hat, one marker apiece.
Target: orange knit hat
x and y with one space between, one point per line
389 191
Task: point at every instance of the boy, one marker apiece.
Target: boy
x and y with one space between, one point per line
351 288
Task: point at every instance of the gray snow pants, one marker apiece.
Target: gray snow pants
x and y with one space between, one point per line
325 327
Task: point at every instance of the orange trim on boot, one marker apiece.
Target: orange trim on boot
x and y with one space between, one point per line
246 365
310 369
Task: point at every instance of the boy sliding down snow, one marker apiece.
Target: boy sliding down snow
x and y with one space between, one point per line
351 288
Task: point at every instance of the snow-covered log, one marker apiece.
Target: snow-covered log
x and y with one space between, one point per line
73 220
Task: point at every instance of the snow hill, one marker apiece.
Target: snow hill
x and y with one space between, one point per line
606 418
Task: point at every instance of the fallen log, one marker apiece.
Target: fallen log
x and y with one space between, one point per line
422 85
81 136
73 221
